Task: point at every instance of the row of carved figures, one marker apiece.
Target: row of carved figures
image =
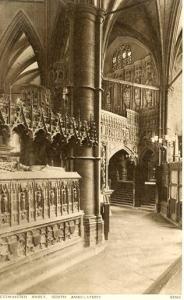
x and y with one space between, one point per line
33 198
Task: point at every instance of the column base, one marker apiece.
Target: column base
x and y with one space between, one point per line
93 230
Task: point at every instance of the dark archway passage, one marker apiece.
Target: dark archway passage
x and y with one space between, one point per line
121 178
148 163
147 179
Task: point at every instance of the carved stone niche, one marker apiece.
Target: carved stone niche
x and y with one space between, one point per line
149 70
137 98
148 98
138 71
128 73
126 96
58 80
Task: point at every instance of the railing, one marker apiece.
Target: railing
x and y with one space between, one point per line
38 209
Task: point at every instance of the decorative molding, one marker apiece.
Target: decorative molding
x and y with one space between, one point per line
120 130
116 80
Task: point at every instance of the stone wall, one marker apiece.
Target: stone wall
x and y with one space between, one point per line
174 117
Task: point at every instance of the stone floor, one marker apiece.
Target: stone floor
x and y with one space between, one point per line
141 246
174 285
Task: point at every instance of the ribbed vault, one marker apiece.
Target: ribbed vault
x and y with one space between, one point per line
22 65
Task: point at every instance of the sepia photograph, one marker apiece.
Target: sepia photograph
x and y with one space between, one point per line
90 149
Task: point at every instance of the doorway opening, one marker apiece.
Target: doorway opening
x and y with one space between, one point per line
121 178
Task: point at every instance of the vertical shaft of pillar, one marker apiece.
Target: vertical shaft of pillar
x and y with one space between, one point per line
98 107
84 94
85 106
70 14
98 104
84 165
84 61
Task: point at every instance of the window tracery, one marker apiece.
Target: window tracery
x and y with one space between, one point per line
122 57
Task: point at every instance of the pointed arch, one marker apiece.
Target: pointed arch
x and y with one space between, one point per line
117 148
21 24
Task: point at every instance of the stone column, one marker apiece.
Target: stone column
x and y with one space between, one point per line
86 103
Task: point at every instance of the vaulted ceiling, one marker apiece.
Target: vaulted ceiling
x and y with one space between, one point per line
22 65
136 19
151 22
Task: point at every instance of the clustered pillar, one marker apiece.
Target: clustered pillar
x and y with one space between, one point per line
86 107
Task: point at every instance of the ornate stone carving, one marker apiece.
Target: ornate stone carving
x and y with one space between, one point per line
28 242
148 98
137 99
141 71
127 96
4 253
121 130
25 201
138 72
148 124
32 117
58 78
21 245
4 205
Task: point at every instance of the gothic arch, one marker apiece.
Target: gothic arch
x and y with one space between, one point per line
114 150
21 24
